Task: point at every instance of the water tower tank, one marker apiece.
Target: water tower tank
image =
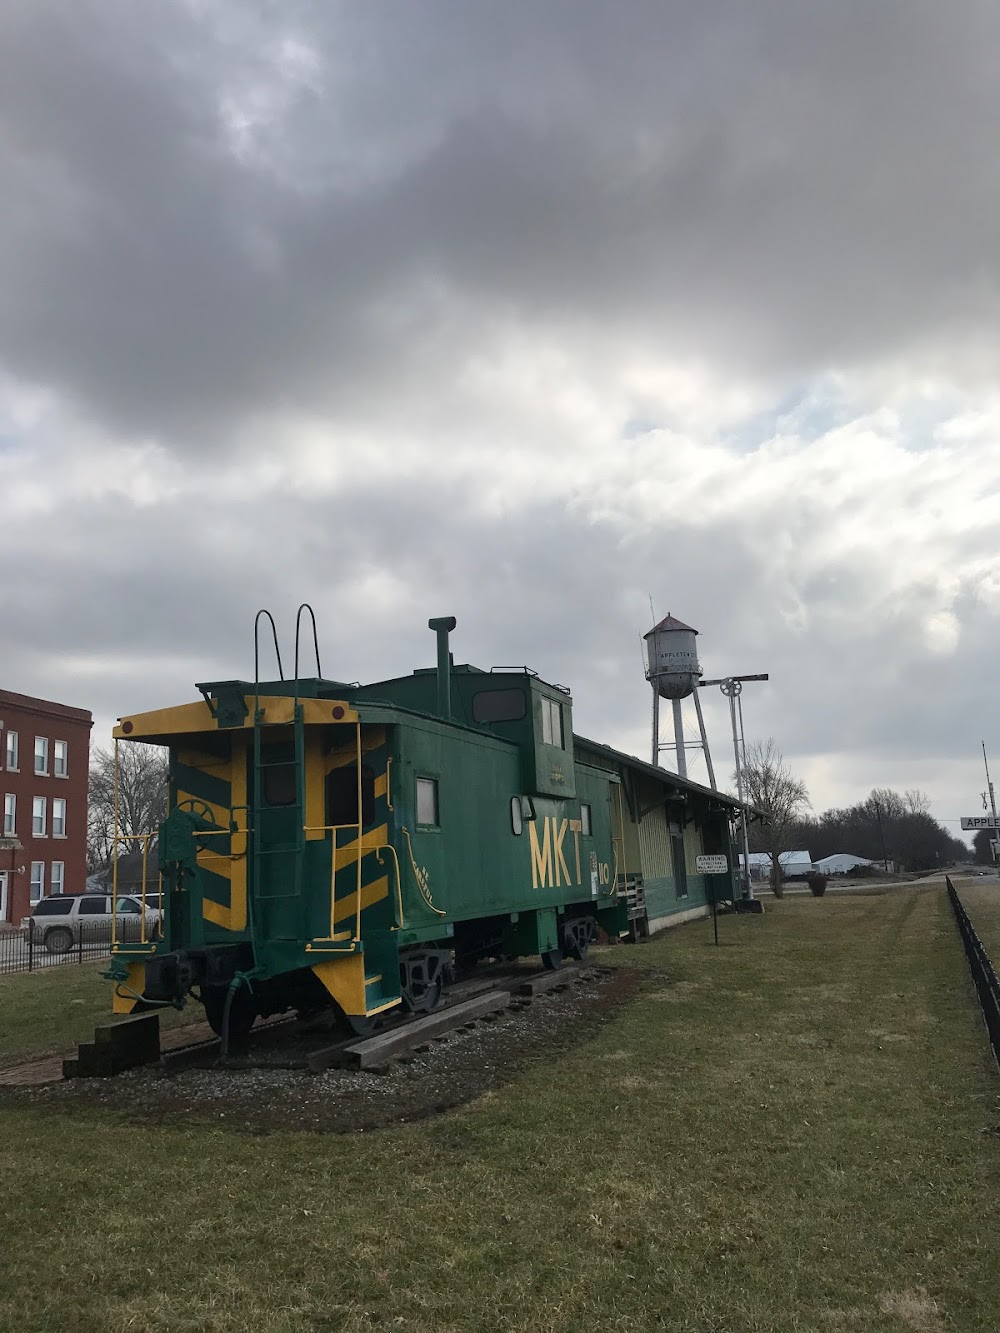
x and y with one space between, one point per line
672 658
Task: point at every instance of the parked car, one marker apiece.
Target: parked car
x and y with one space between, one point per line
64 919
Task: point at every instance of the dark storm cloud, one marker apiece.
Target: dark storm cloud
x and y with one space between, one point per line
213 213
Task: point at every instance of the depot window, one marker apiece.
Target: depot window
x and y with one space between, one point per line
37 880
9 815
60 759
498 706
58 818
42 755
39 816
12 751
427 801
57 876
552 727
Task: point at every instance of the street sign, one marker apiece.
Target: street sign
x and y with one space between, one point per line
712 865
980 821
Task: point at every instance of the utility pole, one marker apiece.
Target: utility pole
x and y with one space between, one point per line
993 804
732 688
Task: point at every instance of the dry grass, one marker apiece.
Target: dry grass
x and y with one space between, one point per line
795 1143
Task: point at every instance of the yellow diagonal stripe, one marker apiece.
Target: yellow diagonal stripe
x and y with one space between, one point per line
371 893
370 842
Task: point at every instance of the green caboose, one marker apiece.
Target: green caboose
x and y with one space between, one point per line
356 845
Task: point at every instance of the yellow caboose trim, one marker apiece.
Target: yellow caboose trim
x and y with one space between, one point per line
191 719
345 979
123 1002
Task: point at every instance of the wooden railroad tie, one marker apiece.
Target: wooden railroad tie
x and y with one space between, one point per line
373 1052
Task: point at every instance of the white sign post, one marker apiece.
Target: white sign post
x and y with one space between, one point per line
980 821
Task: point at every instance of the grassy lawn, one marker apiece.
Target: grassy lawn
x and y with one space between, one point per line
50 1011
784 1133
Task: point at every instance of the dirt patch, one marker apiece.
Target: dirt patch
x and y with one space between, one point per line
915 1308
269 1096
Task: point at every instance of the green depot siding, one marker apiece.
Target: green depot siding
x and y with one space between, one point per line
663 817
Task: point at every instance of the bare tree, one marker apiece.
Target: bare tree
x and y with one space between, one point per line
769 785
142 799
917 801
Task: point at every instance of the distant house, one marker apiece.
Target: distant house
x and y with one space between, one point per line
792 864
840 863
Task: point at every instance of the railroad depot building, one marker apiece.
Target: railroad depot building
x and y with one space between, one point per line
663 824
44 766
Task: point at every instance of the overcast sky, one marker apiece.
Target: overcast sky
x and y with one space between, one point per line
522 312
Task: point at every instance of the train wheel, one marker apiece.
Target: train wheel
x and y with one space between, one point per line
576 938
242 1010
359 1026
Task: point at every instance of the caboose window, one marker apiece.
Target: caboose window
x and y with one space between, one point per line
342 795
498 706
516 817
552 730
585 820
427 801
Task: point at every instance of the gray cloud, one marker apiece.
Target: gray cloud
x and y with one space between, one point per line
216 217
522 313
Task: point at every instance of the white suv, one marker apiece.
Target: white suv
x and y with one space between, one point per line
65 919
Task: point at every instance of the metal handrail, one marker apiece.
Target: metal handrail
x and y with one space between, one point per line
144 839
298 616
256 647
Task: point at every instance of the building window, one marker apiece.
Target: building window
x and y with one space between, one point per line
58 817
37 880
516 817
9 816
42 755
427 801
585 825
60 759
39 815
57 874
552 728
12 751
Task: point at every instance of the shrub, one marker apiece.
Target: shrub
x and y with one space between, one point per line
817 884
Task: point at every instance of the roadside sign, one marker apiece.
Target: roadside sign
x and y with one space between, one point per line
712 865
980 821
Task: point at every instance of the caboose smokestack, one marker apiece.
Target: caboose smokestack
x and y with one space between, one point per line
442 627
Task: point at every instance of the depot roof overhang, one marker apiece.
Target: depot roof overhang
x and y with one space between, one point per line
682 785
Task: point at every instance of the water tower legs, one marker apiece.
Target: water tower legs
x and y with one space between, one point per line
682 768
704 741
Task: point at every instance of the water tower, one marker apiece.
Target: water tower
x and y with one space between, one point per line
673 671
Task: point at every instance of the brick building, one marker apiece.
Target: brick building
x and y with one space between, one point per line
44 766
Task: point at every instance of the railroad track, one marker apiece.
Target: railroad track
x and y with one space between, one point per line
479 999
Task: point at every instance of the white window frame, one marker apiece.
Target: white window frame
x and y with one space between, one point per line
57 882
586 819
37 877
552 723
39 803
62 772
424 782
42 756
11 756
58 807
10 814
